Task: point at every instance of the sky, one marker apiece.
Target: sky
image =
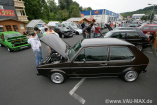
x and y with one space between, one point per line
118 6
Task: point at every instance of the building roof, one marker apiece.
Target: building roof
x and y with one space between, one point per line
75 19
103 42
35 22
53 23
11 19
137 15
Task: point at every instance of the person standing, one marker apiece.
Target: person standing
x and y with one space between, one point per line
89 31
36 45
97 30
37 31
45 33
50 31
85 32
83 25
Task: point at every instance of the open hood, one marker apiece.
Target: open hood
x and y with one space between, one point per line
56 43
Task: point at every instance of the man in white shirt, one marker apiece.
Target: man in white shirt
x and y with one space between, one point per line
37 36
35 44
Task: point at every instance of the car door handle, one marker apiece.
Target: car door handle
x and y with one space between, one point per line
103 64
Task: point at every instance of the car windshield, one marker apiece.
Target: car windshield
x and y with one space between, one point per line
74 25
108 34
12 35
74 50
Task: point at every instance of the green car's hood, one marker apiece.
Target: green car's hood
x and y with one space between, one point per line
17 39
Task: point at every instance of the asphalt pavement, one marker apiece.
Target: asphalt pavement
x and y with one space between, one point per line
19 84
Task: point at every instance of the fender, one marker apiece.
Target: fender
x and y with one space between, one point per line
57 70
131 68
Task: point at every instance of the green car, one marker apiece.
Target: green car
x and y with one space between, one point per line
14 41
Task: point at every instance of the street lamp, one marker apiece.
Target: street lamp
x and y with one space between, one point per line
152 10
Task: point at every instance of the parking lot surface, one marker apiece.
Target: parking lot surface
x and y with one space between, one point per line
19 84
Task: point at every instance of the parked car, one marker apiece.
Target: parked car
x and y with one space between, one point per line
63 31
139 39
143 24
134 24
92 58
13 41
149 28
128 28
73 27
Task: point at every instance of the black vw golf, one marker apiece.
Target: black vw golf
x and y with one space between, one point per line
92 58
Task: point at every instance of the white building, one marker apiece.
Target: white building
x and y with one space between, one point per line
137 16
101 15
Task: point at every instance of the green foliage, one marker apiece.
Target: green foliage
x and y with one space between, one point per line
144 18
49 11
146 11
87 9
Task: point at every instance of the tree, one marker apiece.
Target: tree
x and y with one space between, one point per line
151 17
144 17
87 9
64 4
74 11
52 6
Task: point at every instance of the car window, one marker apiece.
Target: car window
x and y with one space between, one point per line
153 28
118 35
145 28
133 35
93 54
120 53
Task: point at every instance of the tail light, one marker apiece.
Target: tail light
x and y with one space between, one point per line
148 39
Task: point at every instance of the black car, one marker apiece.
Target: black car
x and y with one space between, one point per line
94 57
63 31
139 39
128 28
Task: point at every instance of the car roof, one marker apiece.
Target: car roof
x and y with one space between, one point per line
104 41
123 31
10 32
151 25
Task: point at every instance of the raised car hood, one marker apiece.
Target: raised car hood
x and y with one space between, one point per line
56 43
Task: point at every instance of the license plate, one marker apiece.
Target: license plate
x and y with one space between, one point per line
23 47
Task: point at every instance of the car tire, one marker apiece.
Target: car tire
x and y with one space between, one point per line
77 33
139 47
130 75
9 50
57 77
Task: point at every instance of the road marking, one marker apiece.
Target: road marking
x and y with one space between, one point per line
77 97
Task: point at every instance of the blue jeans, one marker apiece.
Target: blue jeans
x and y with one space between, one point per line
41 53
95 35
38 57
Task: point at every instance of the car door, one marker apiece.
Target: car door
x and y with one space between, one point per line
145 29
153 29
133 37
120 58
91 61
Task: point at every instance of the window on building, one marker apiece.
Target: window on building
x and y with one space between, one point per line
1 28
8 27
15 28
